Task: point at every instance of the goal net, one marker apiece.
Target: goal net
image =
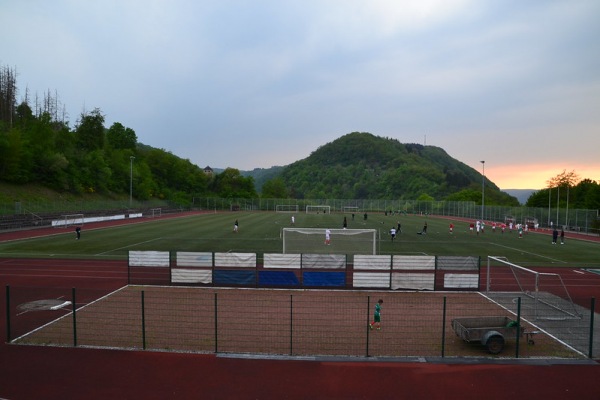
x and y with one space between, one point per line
286 208
69 220
342 241
154 212
318 209
350 209
545 295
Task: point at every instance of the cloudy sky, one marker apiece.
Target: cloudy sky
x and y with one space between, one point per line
257 83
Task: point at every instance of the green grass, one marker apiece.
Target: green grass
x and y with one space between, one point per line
260 232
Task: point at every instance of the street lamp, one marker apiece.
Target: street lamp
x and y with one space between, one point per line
482 188
131 180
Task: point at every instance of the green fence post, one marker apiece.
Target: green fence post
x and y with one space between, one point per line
216 329
74 317
518 327
8 314
444 328
592 310
291 324
368 320
143 322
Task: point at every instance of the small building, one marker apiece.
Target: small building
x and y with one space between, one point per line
208 170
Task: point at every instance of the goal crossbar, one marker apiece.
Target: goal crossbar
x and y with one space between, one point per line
69 220
311 240
320 209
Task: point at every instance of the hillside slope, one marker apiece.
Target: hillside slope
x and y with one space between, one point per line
362 166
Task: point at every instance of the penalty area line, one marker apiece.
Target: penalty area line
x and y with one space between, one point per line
528 252
129 245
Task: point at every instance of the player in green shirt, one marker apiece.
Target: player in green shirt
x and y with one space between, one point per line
377 316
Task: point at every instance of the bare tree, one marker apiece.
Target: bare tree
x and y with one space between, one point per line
8 94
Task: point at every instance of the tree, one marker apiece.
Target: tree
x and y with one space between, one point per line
274 189
90 131
231 184
120 137
8 91
465 195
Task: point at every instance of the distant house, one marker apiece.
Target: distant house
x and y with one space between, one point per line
208 170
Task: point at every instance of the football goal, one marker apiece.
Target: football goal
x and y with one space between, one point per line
286 208
342 241
547 295
318 209
69 220
154 212
350 209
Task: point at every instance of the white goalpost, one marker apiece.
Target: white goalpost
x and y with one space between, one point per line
343 241
549 297
318 209
350 209
286 208
155 212
69 220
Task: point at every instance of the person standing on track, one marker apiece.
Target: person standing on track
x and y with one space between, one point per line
327 237
377 316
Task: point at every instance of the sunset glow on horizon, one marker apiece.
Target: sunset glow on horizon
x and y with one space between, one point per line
534 176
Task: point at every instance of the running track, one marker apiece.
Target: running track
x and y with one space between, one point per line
30 372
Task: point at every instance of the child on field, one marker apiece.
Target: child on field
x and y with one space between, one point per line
377 316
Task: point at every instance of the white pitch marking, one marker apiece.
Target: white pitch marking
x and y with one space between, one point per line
528 252
125 247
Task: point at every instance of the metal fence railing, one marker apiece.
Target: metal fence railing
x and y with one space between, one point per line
578 220
292 323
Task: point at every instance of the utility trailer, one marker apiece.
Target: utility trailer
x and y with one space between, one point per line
490 331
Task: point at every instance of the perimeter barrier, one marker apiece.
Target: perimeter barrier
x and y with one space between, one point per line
293 322
275 270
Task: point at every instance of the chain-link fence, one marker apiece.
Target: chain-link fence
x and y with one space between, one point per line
576 220
294 322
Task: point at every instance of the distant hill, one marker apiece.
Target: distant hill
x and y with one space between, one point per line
521 194
261 175
360 165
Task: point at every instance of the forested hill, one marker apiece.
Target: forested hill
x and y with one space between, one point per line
364 166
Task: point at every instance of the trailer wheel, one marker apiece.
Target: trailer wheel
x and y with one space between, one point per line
495 344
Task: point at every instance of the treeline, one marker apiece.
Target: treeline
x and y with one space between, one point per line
37 146
583 195
94 159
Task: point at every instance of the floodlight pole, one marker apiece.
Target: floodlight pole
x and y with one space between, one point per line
131 180
482 188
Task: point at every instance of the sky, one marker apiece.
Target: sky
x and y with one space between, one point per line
259 83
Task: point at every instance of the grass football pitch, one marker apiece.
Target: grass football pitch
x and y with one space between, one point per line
260 232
